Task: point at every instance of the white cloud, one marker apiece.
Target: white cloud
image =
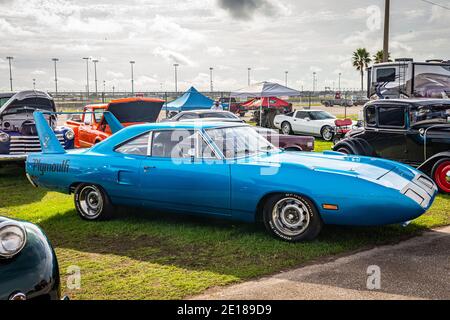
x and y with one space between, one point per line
173 56
38 72
215 51
114 75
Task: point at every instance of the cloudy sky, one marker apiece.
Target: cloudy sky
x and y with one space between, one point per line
270 36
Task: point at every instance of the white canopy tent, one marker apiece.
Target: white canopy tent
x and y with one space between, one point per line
265 89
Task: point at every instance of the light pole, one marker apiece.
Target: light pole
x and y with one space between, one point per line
10 71
286 78
175 65
248 76
95 75
132 76
211 78
339 82
314 81
34 84
87 75
55 60
387 9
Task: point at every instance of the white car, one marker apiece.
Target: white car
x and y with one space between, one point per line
317 123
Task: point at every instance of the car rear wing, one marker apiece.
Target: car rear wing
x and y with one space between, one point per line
47 138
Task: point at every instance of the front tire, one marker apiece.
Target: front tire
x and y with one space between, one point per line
92 202
441 175
286 128
292 218
327 133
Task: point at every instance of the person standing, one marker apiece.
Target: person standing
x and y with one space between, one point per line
217 105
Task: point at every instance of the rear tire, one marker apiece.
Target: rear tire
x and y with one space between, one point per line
327 133
92 202
292 218
441 175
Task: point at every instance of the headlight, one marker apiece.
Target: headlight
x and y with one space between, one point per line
13 238
70 134
4 137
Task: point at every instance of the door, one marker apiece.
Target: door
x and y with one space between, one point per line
300 122
386 131
84 131
182 173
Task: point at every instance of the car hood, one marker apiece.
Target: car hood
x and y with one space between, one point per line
337 163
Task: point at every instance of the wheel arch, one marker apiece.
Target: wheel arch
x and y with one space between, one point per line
428 165
356 146
264 198
292 147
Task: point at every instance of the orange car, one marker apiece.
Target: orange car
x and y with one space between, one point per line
92 128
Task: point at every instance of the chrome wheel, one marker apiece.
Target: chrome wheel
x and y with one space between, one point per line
286 128
327 134
291 216
90 202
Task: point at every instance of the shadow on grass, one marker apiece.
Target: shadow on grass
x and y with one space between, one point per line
203 244
15 188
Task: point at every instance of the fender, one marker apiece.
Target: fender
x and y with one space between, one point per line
356 146
427 166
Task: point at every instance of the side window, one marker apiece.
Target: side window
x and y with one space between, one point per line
98 114
386 75
88 117
301 115
137 146
173 144
371 116
188 116
391 117
205 151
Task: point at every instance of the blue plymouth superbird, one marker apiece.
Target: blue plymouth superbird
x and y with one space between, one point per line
228 170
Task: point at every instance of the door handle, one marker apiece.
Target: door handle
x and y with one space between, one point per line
148 168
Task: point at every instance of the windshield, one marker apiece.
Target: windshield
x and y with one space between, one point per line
3 100
236 142
321 115
224 115
436 113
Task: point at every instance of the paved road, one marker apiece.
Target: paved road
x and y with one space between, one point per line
418 268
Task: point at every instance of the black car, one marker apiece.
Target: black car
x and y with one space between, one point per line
415 132
28 264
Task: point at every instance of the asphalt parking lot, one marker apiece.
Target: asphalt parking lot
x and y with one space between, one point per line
418 268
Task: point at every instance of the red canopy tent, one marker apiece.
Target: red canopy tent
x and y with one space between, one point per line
271 102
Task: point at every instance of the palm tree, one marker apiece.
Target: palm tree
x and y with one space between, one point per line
378 57
361 60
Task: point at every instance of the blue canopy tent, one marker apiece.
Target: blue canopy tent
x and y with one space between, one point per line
190 100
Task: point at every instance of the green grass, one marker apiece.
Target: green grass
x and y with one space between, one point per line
145 255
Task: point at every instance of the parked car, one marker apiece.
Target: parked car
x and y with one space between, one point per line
313 122
415 132
91 127
228 170
204 115
230 104
287 142
28 264
18 135
337 101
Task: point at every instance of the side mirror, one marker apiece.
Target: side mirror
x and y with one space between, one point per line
307 119
422 131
